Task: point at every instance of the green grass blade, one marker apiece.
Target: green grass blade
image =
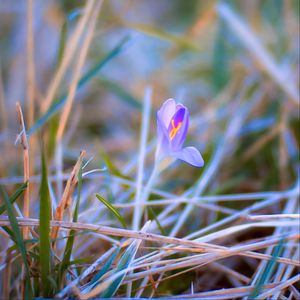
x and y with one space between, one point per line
112 209
45 216
11 234
14 197
18 240
111 166
58 104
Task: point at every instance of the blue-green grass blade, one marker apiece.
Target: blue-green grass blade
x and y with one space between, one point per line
124 263
45 216
59 103
96 279
112 209
123 95
267 272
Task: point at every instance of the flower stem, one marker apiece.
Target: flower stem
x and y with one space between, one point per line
146 191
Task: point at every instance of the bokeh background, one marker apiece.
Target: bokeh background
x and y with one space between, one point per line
182 49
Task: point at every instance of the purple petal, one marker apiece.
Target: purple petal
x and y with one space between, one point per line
178 106
190 155
162 137
166 112
180 121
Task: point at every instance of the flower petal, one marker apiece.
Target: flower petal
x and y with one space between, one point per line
166 112
190 155
180 121
163 142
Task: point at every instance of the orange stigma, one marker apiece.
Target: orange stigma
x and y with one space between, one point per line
174 130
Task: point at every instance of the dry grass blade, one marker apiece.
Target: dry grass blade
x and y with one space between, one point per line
295 292
216 251
30 64
73 87
281 286
71 235
70 50
275 216
76 75
222 294
66 200
26 167
7 273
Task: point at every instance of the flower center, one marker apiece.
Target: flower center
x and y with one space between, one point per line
174 129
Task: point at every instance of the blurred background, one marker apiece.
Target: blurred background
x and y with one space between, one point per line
189 50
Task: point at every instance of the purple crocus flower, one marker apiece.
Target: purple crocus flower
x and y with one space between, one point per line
172 127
